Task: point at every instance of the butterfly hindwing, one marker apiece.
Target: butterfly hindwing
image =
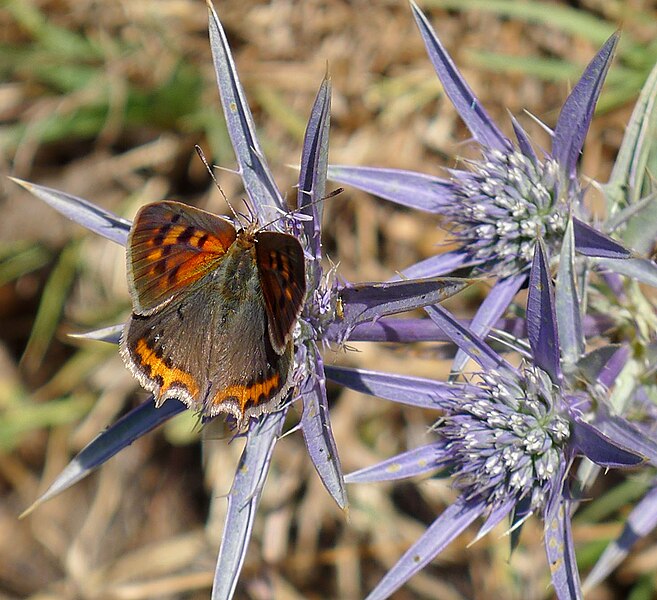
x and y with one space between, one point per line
281 266
171 246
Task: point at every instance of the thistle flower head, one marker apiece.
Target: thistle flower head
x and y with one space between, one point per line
503 204
506 438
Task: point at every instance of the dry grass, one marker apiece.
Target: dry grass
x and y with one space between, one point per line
148 524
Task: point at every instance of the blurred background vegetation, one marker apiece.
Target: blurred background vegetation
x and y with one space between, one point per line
105 100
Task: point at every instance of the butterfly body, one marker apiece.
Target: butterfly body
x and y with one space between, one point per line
213 311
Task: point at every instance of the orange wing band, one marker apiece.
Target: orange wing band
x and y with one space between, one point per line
164 375
258 393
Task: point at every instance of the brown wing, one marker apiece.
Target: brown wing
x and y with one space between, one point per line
170 246
282 272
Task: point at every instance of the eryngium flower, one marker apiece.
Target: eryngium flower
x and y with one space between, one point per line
319 323
505 438
502 204
509 436
504 201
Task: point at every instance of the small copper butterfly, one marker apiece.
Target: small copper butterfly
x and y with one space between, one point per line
214 309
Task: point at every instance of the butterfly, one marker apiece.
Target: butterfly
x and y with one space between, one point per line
214 310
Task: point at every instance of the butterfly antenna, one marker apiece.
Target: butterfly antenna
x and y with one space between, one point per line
300 208
201 155
335 192
253 218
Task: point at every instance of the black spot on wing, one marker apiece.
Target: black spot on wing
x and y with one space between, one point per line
186 235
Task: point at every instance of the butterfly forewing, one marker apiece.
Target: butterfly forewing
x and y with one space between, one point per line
172 245
281 267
